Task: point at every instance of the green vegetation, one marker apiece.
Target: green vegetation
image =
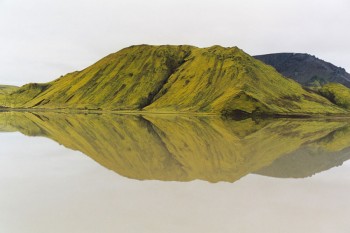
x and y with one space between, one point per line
126 80
184 148
316 82
176 79
337 93
5 90
229 81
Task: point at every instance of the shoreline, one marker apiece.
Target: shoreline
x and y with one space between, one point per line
144 112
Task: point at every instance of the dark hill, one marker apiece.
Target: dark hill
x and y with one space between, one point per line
306 69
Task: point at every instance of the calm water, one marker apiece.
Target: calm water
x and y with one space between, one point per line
129 173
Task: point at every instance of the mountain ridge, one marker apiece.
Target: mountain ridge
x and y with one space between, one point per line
171 78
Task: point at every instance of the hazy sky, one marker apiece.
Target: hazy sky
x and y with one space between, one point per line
43 39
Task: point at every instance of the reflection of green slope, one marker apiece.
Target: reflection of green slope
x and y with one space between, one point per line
10 122
125 144
5 128
180 148
213 150
337 140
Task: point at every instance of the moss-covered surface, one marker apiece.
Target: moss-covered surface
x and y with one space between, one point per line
176 79
228 81
182 148
337 93
126 80
5 90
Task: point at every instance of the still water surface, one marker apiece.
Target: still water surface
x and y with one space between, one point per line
130 173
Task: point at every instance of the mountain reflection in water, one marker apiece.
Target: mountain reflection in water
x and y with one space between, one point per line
185 148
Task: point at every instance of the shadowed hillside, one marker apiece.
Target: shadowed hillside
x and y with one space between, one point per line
336 93
184 148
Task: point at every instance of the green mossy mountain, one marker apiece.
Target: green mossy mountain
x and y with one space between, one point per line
176 79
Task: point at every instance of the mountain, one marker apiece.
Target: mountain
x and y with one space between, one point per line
306 69
176 79
186 147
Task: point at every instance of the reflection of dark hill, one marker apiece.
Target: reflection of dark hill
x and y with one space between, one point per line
180 148
327 152
305 162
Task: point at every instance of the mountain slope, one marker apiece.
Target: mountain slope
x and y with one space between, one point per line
227 80
123 80
176 79
337 93
5 90
306 69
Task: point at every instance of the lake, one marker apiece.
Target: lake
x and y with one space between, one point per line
88 173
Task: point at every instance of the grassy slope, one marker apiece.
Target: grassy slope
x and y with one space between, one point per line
176 78
175 147
218 79
26 93
127 79
337 93
5 90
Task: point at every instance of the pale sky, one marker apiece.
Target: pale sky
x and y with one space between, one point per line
41 40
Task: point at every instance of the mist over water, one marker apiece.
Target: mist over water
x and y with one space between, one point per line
110 173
